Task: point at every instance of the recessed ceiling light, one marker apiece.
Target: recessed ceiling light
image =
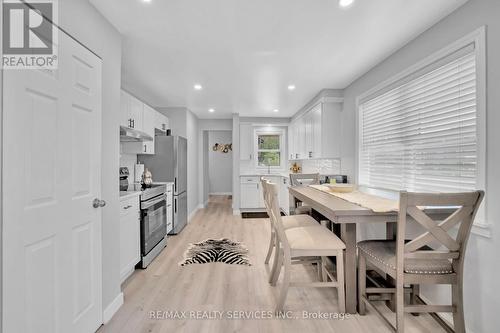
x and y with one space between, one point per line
345 3
197 87
276 110
291 87
146 0
211 110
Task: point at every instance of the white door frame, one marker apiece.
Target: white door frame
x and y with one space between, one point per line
2 165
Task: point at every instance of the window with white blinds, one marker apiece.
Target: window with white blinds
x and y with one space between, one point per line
422 134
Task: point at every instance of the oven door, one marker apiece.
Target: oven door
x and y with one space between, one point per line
153 222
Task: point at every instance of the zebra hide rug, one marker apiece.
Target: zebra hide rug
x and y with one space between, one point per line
216 250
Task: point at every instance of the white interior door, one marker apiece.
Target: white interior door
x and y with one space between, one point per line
51 172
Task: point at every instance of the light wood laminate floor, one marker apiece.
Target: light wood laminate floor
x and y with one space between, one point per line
165 286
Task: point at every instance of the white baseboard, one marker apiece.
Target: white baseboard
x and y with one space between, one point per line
193 213
112 308
221 193
205 205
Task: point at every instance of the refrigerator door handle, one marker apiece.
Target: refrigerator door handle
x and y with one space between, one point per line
175 184
175 205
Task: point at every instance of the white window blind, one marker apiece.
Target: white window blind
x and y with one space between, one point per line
421 135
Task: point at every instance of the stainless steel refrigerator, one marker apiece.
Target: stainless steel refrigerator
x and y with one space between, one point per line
169 164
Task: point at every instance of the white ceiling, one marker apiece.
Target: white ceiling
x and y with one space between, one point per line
246 52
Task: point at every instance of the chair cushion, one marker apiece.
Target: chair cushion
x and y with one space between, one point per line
295 221
315 239
384 251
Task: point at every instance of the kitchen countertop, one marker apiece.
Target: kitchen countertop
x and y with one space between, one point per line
284 175
129 194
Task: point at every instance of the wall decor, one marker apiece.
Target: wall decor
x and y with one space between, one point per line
223 147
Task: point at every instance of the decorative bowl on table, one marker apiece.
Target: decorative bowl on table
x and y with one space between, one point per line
341 188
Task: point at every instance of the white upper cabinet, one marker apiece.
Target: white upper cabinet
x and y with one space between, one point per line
317 133
125 116
139 116
246 142
149 117
131 111
309 135
291 142
136 113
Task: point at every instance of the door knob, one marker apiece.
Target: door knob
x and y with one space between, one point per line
98 203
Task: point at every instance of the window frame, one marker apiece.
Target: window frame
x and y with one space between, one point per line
281 149
478 38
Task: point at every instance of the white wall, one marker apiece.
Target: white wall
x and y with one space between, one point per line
205 125
236 163
220 165
82 21
1 163
193 155
482 270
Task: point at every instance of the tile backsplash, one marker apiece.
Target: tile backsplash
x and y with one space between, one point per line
129 161
322 166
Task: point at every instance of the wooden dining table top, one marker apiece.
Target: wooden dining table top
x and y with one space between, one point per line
343 211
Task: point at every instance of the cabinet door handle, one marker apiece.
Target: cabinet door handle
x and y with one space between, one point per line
145 148
133 123
127 207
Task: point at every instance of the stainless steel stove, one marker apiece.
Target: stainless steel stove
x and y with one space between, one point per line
153 207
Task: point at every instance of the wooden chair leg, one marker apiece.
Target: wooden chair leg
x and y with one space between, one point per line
284 287
415 292
341 281
400 303
275 260
457 301
361 284
277 269
324 277
270 249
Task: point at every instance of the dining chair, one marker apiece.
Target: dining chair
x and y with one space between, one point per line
304 242
415 262
289 222
300 179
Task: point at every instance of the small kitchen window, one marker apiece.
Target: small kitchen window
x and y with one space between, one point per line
269 149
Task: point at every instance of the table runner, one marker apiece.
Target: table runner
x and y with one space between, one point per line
369 201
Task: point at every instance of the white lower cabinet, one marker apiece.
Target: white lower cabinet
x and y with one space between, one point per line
251 193
130 236
251 197
284 196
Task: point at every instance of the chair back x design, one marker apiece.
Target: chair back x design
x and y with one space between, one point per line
411 205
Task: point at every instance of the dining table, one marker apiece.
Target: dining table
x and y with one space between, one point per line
349 215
